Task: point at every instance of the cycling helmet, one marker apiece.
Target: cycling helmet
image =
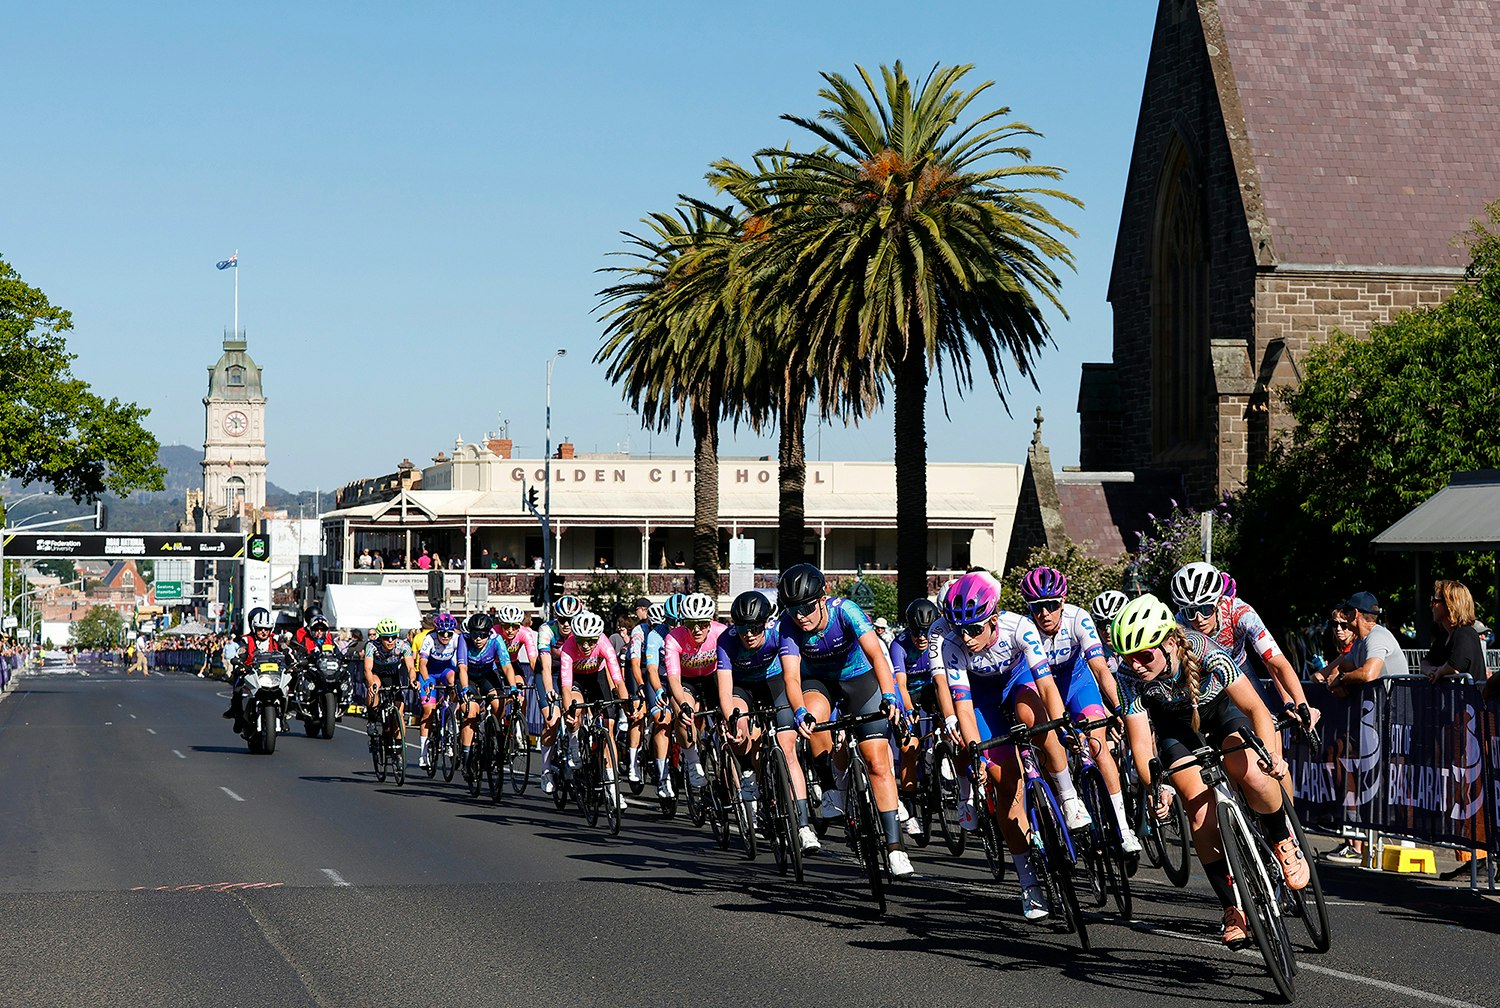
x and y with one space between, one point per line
1230 588
587 624
260 619
387 628
972 599
672 608
512 613
1044 583
1197 584
1107 605
479 625
802 583
920 616
444 622
698 606
567 607
750 608
656 613
1143 624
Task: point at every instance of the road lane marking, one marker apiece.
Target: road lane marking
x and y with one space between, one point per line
231 794
334 877
151 730
409 745
132 717
178 754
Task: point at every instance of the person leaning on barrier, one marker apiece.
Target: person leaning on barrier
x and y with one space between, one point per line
1457 649
1376 654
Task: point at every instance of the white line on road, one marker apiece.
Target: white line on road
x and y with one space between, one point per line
334 876
178 754
132 717
409 745
151 730
231 794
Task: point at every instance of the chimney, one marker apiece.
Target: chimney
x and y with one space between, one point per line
500 446
565 450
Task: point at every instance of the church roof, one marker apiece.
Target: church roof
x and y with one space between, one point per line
1372 124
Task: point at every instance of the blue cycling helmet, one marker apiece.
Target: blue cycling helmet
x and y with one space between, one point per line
673 607
445 622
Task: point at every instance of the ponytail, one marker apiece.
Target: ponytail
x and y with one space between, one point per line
1192 670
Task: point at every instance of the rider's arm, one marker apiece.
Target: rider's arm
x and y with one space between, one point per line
791 675
898 672
507 669
725 675
612 667
672 658
1245 696
1106 680
1142 744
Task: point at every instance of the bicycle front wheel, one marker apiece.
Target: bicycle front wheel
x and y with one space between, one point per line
1257 901
1176 844
943 798
378 756
489 758
869 838
518 755
1055 864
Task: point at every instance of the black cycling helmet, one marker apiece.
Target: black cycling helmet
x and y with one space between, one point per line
920 616
800 584
750 608
479 625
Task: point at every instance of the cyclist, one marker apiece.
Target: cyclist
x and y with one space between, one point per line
749 666
388 664
520 640
994 664
1083 677
258 641
442 654
1199 590
912 666
831 655
665 617
548 638
1105 607
632 657
689 659
584 660
1189 690
491 674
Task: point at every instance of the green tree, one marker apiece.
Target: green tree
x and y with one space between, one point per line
908 250
886 603
54 430
1381 424
59 567
1087 575
607 591
100 627
1176 538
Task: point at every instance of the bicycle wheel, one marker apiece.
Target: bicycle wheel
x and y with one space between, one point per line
474 769
452 751
519 755
865 830
1176 840
560 782
398 752
609 783
744 818
779 810
990 837
585 778
1137 803
944 797
1054 865
1307 903
1248 870
489 758
378 756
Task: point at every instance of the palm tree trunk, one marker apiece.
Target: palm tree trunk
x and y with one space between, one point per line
706 496
911 478
792 531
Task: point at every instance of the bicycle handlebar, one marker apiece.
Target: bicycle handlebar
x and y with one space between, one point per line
850 720
1020 733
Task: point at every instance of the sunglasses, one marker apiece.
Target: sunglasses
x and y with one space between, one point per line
750 629
445 633
587 643
1203 611
1339 624
806 608
510 626
972 629
1140 659
1046 606
696 624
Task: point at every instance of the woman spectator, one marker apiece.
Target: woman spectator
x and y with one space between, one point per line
1458 651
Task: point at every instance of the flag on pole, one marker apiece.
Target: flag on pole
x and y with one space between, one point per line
231 263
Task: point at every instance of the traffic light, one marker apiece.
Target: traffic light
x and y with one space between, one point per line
536 593
558 591
101 516
530 499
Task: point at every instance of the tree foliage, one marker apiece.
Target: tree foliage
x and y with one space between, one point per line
1382 424
54 430
884 593
1176 538
100 627
1087 575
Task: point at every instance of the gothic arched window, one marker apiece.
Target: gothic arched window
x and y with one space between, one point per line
1181 384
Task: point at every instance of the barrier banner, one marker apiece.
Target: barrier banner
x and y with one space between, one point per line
1342 784
1434 787
1491 742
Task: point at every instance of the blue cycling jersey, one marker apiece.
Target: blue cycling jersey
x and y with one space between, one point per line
656 642
445 657
915 662
747 664
831 653
491 657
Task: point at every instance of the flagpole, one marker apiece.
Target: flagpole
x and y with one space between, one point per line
236 293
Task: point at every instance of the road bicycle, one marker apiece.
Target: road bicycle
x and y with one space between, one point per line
777 808
862 828
388 746
596 781
443 747
1166 841
937 789
1105 867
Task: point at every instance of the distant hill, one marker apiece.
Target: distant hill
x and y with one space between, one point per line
160 510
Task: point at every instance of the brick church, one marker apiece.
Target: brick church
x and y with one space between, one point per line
1299 166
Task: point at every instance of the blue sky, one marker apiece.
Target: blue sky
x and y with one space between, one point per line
421 195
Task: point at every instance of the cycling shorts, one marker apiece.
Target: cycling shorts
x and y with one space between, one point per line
430 687
703 689
486 681
1080 691
994 701
856 696
765 693
1175 738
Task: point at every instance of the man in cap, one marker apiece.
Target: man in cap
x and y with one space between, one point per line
1376 652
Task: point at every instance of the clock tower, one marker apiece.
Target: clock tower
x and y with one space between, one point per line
234 439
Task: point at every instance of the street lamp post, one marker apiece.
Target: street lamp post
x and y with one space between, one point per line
6 507
547 491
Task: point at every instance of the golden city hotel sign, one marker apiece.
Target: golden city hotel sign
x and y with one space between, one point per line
729 474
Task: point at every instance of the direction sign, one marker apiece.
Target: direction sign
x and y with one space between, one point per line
168 590
123 545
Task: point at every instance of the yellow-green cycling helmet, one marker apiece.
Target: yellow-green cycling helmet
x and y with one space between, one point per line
1143 624
387 628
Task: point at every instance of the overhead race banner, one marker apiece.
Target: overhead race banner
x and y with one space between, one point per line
125 545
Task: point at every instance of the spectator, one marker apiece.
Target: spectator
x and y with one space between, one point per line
364 560
883 630
1458 650
377 561
601 564
1376 654
424 562
484 560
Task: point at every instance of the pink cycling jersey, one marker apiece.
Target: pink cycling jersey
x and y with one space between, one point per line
687 660
522 646
602 656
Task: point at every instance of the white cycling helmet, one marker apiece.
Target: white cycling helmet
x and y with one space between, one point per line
1197 583
1107 605
567 607
511 613
587 624
656 613
699 606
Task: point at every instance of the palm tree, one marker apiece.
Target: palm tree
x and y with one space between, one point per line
674 354
908 250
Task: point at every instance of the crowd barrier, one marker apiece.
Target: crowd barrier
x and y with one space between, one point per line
180 659
1404 757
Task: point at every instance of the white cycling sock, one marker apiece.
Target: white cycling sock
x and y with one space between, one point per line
423 751
1118 801
546 757
1062 782
965 788
661 768
635 757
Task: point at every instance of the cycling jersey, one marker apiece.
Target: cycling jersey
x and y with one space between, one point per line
747 665
443 658
574 663
492 656
523 646
913 662
389 663
1076 638
1240 625
684 659
1219 670
834 652
1014 659
638 640
549 637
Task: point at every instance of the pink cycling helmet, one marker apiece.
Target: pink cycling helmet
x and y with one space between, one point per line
1230 588
973 598
1044 583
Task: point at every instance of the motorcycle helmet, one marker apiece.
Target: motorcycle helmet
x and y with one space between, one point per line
260 619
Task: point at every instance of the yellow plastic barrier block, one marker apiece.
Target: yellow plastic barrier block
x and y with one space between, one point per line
1410 859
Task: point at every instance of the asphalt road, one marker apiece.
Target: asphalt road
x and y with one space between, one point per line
146 858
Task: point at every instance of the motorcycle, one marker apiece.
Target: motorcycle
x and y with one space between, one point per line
322 691
266 692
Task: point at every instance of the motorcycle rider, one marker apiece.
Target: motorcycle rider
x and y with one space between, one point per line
315 634
258 641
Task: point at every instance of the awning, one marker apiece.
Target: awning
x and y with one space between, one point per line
360 607
1463 516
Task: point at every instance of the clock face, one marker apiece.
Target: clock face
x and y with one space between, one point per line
236 423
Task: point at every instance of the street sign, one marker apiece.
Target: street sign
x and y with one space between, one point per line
123 545
258 547
168 590
741 565
10 623
477 593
